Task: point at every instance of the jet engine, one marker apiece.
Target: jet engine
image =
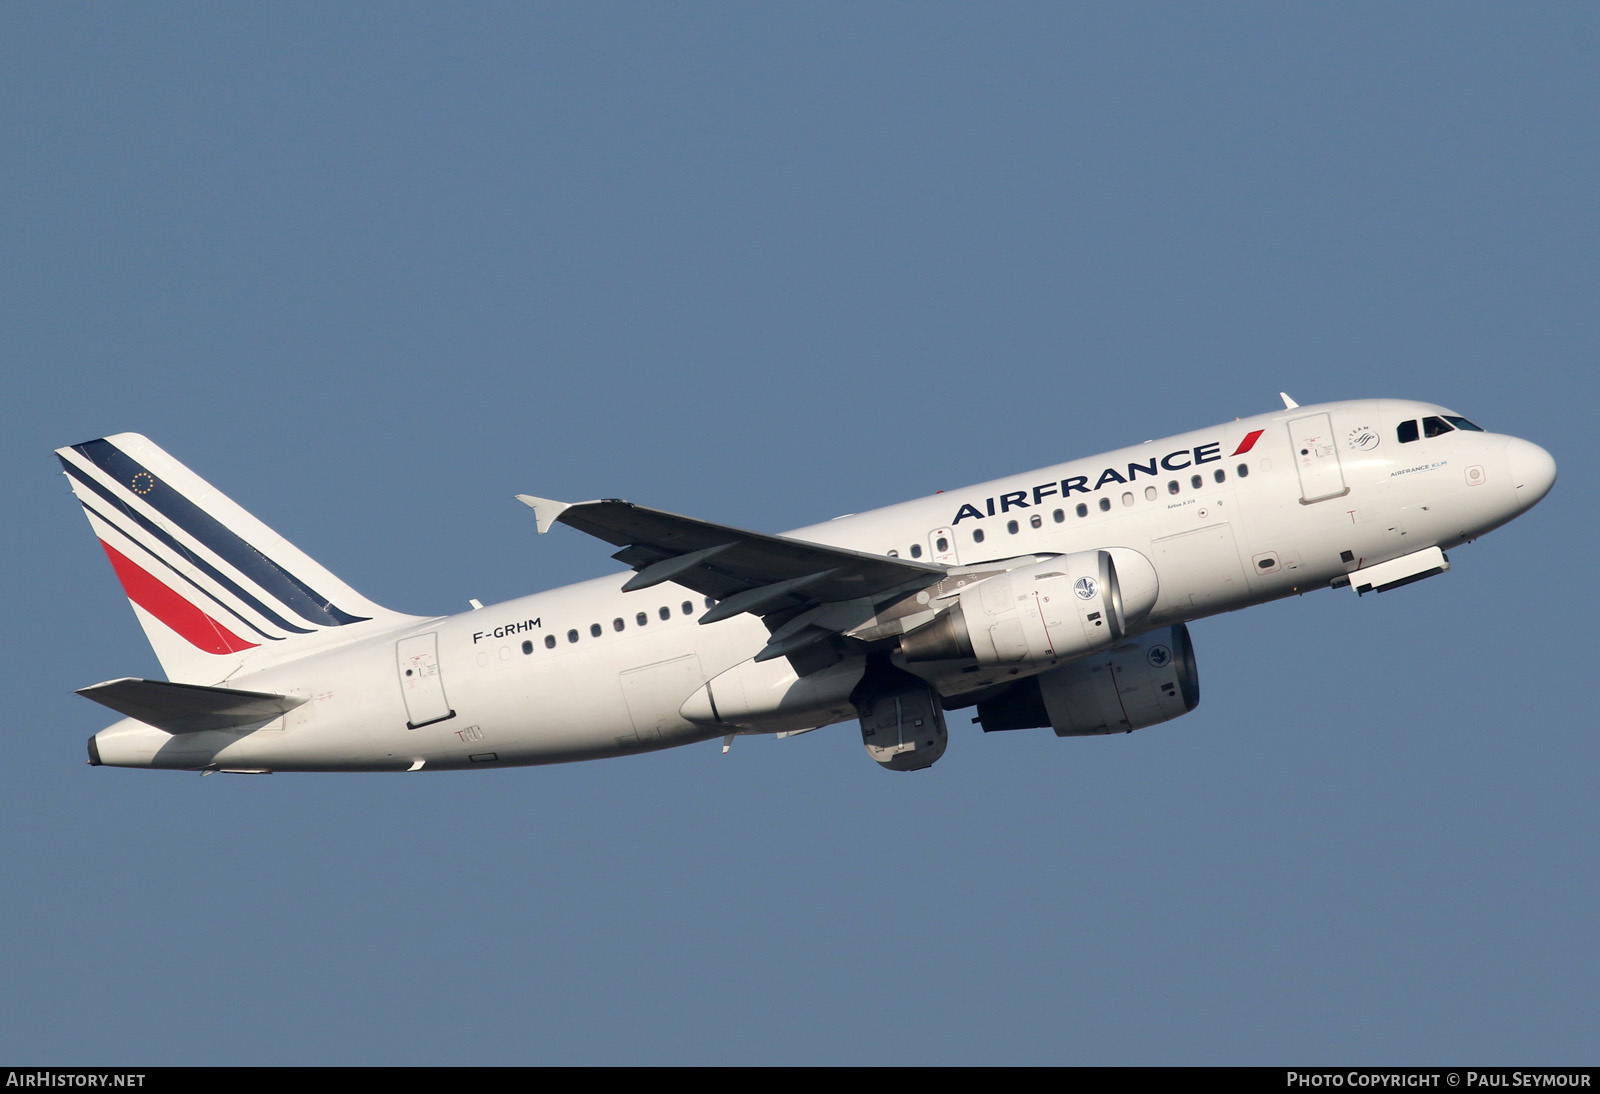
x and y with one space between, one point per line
1055 610
1136 684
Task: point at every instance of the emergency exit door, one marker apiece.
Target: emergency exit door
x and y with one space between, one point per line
420 682
942 547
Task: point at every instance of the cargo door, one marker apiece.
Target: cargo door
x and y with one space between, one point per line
654 693
1199 572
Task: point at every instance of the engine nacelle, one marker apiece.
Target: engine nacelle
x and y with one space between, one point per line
1140 683
1055 610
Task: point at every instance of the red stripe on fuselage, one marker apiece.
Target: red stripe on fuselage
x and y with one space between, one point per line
193 625
1249 441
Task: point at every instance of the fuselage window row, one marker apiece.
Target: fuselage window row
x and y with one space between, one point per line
1174 487
619 624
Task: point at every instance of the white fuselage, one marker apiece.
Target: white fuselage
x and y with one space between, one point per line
589 671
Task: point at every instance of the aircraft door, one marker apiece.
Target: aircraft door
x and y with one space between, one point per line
1199 571
653 694
942 547
1316 457
420 682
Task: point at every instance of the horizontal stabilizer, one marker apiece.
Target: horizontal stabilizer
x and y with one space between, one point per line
188 708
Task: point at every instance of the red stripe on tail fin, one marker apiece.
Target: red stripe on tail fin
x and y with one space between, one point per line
193 625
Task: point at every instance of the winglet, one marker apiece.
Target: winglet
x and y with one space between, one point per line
545 511
1288 404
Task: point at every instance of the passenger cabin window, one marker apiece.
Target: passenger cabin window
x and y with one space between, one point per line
549 641
572 636
1149 493
1172 486
1105 505
688 608
617 624
893 553
1082 510
1220 475
1407 431
977 535
1243 469
1011 526
1036 521
527 647
641 619
594 629
1059 515
1127 499
942 544
916 550
1196 481
665 612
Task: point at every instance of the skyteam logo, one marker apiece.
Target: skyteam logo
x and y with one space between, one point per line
1362 439
1159 657
1087 588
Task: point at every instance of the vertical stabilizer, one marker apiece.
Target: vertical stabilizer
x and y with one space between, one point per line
217 592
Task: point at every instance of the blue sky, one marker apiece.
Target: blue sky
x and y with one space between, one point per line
373 270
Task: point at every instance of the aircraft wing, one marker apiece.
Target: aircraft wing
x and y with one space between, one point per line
804 592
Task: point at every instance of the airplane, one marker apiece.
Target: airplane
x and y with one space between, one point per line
1055 598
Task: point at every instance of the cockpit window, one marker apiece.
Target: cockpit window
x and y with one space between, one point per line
1462 423
1436 427
1407 431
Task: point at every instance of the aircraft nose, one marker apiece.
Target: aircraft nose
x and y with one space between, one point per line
1533 471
